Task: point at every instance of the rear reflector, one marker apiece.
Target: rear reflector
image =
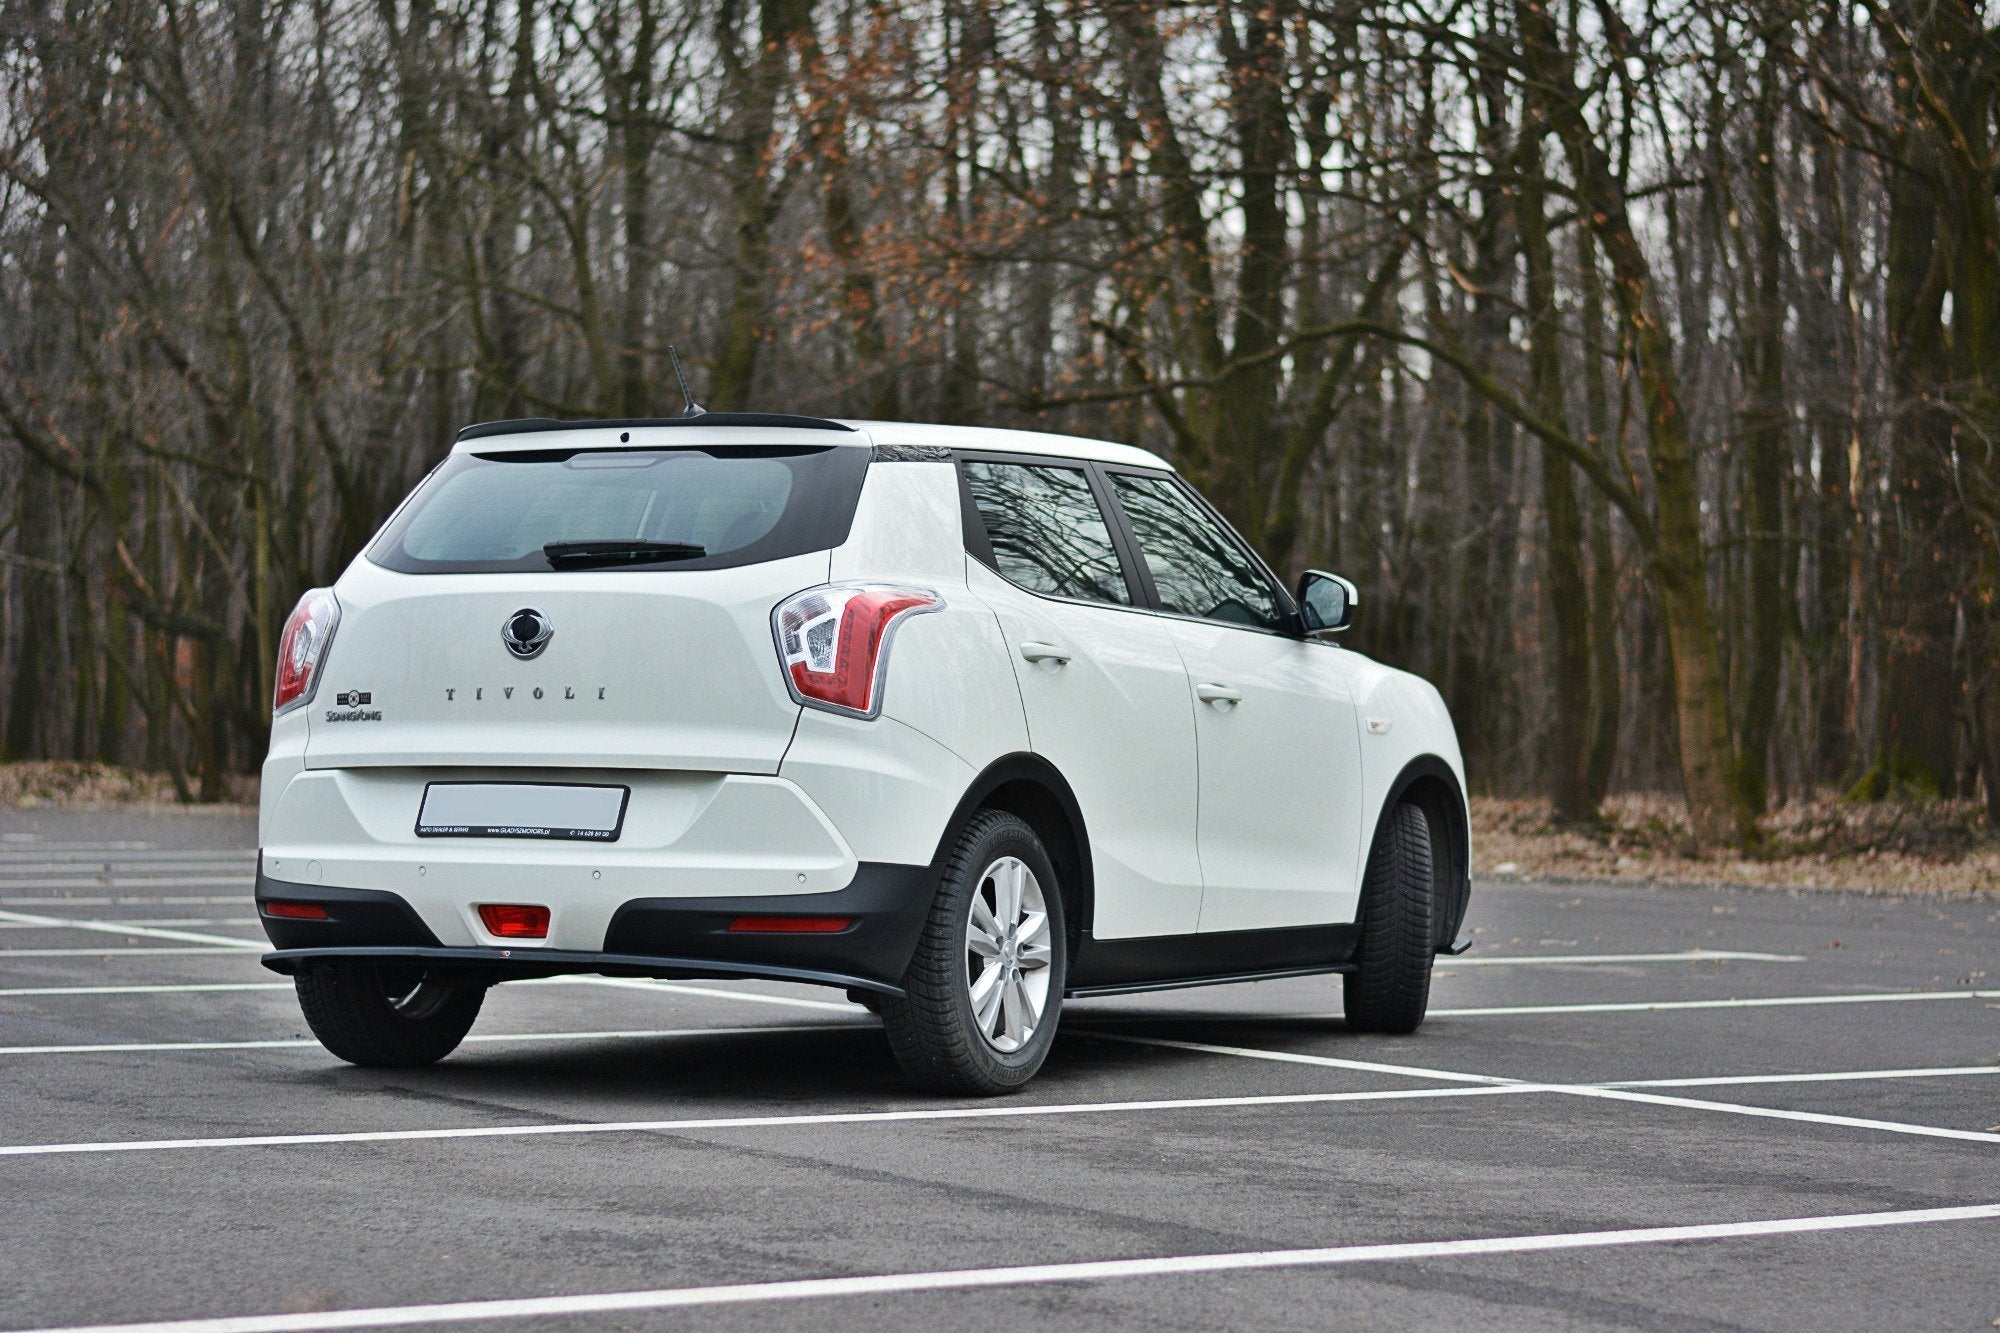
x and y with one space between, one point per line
300 911
791 925
515 921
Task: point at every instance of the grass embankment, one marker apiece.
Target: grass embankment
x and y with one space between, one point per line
1907 846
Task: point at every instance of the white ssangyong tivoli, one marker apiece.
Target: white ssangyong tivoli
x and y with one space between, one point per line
962 721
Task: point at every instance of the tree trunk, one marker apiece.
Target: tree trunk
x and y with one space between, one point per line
756 189
1718 812
1569 610
1766 456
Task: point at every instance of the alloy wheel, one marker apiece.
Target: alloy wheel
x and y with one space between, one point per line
1007 954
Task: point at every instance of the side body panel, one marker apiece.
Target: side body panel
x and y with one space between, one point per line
950 706
1117 721
1280 777
1402 718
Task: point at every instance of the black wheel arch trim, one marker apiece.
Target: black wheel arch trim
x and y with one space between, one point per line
1073 861
1434 774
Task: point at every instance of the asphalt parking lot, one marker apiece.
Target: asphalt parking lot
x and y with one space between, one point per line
1632 1107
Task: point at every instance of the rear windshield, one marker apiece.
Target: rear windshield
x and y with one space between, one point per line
488 513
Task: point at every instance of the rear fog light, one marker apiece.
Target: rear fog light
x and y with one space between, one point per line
297 911
515 921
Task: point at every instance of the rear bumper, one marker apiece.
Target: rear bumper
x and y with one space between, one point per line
648 937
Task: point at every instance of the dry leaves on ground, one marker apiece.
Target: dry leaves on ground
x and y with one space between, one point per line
1886 846
68 783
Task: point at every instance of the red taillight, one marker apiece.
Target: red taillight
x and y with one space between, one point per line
515 921
791 925
302 647
833 642
297 911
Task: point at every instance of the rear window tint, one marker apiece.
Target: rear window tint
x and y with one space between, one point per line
484 513
1047 532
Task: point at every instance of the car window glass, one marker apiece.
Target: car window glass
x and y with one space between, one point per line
1048 534
492 513
1197 567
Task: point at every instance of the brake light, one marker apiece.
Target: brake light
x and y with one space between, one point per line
833 641
515 921
302 647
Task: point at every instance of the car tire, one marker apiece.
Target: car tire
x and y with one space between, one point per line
960 1028
1390 986
386 1017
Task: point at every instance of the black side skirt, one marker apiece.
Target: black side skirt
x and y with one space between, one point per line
1165 962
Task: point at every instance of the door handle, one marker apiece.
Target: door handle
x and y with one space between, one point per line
1217 694
1036 651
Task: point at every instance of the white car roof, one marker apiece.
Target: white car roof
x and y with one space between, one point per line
512 437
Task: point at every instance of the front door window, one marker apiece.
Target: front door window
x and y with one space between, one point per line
1198 569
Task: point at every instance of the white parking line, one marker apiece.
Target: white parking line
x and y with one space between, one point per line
172 987
545 1129
982 1112
1604 1092
151 951
123 900
145 921
151 932
1836 1076
1684 956
1023 1275
305 1043
73 865
147 988
1759 1002
141 932
19 859
129 882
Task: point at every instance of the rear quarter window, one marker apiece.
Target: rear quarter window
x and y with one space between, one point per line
494 512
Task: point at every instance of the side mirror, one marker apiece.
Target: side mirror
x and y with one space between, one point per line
1326 602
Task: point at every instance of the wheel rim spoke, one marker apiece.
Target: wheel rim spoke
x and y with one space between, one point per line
1014 1011
983 921
982 942
986 997
1009 884
1031 1010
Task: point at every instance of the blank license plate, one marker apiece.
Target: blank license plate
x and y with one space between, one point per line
522 810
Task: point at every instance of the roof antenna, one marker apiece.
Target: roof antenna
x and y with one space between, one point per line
694 409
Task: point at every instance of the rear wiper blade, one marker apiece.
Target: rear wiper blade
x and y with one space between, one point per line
619 551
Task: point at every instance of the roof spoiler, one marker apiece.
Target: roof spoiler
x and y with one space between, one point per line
535 425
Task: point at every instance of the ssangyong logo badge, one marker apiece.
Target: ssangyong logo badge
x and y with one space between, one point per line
526 633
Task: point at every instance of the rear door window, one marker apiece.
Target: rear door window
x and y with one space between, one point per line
483 513
1046 529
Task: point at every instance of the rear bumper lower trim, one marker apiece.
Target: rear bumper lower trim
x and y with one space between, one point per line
672 938
496 965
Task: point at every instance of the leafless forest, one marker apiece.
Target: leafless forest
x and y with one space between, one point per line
1640 361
